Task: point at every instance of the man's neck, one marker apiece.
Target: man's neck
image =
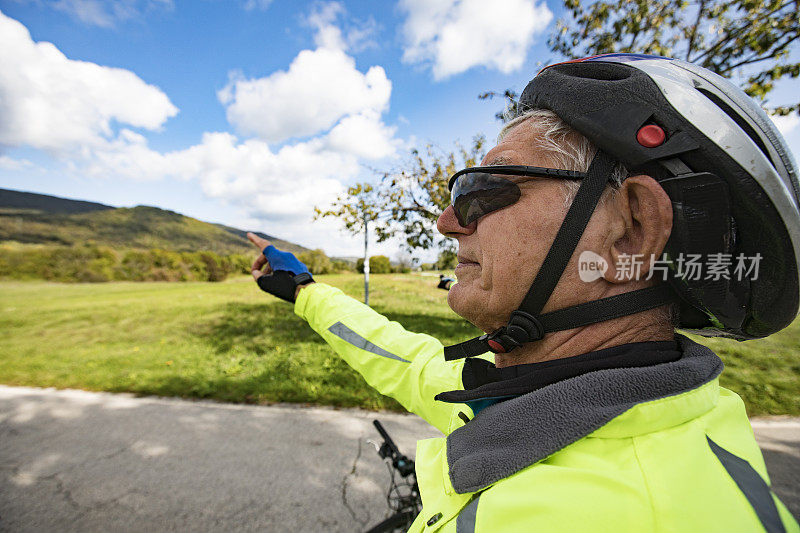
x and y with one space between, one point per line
642 327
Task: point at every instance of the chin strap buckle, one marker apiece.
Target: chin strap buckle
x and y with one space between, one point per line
521 328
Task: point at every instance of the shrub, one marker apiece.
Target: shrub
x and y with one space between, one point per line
339 265
92 263
241 263
215 266
378 264
316 261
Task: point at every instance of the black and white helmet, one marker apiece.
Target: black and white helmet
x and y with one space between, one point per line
731 178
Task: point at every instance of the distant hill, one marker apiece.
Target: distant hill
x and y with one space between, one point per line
46 203
42 219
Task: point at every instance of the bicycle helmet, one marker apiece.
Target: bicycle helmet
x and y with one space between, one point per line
726 168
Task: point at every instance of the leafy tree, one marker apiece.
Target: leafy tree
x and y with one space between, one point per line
378 264
340 265
407 202
93 263
416 195
751 41
356 209
512 103
447 260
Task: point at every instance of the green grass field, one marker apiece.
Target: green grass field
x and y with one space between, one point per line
229 341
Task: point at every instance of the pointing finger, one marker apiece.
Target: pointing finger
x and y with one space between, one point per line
258 241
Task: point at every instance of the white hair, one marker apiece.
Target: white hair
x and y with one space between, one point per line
565 147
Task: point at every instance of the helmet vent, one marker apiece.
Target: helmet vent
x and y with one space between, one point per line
597 71
741 122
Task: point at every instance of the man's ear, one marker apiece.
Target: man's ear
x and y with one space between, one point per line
642 225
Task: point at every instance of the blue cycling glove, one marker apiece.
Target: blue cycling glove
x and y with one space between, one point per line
287 274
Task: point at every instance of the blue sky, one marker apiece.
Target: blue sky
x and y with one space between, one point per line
251 112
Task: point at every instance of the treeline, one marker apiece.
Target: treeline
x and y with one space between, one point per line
96 263
380 264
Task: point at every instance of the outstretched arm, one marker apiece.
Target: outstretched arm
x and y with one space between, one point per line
409 367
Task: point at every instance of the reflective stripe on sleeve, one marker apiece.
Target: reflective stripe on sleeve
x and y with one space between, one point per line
752 485
351 337
465 522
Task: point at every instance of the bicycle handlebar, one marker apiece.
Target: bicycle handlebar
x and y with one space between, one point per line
403 498
403 464
386 438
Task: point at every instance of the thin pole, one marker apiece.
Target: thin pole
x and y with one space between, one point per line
366 260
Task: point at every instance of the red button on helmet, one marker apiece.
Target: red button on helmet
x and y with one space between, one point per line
651 136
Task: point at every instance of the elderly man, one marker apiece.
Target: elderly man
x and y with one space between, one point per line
576 238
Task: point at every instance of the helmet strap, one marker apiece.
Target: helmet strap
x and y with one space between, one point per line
526 323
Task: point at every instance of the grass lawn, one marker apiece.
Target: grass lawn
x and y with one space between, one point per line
229 341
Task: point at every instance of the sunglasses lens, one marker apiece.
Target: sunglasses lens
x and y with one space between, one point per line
475 194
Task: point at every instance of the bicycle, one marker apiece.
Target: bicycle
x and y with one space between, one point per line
403 498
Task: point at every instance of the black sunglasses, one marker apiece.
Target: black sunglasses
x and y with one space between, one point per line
477 191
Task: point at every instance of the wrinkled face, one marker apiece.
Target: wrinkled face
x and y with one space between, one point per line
500 253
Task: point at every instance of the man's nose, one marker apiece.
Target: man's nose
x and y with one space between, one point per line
449 227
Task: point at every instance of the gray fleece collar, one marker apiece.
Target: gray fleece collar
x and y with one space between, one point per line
509 436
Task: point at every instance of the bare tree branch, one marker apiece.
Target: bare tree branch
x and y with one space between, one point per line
700 10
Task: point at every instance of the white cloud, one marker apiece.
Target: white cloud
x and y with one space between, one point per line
323 18
106 13
361 36
272 185
320 87
358 34
54 103
261 5
786 124
8 163
452 36
363 135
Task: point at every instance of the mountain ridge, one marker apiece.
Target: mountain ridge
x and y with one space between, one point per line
34 218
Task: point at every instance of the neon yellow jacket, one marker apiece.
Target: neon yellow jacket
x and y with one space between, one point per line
660 448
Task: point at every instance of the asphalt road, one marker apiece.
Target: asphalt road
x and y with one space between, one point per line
80 461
